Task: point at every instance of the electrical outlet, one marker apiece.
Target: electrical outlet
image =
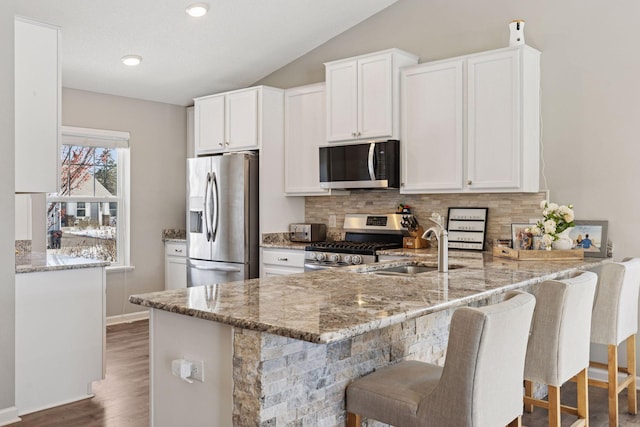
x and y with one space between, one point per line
197 370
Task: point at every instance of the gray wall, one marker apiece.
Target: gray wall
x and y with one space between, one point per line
7 258
158 181
590 87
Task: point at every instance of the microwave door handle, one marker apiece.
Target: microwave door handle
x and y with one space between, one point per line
207 221
216 211
372 171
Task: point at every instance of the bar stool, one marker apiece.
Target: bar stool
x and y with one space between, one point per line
558 348
479 385
615 319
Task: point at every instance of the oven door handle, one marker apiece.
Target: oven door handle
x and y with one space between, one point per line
309 267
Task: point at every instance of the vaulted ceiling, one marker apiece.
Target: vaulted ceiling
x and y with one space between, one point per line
237 43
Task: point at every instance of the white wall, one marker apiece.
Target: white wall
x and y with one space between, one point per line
158 181
7 258
590 86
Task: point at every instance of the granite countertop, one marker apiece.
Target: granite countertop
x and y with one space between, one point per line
40 261
285 245
168 240
332 305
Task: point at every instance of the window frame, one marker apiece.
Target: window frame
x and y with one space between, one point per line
119 141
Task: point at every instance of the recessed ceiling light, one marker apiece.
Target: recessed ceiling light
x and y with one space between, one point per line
197 9
131 60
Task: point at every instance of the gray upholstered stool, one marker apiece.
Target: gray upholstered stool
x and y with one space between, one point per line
480 384
615 319
558 347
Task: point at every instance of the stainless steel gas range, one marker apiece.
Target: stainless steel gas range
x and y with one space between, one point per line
365 234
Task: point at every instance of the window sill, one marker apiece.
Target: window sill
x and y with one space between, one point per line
120 269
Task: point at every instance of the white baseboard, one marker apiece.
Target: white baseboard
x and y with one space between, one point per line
602 375
9 416
127 318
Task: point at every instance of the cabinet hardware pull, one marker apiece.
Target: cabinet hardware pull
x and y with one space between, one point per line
283 259
220 144
178 250
226 143
469 182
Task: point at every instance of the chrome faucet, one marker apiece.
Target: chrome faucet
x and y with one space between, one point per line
443 241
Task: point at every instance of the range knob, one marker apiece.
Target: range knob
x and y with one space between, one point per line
356 259
347 259
311 255
334 258
320 256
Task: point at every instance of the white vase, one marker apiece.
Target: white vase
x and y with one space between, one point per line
564 242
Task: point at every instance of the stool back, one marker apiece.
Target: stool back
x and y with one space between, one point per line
481 383
558 346
615 310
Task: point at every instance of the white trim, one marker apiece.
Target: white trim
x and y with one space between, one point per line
9 416
127 318
603 375
95 137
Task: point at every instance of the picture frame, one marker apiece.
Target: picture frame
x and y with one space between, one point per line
591 236
520 241
467 227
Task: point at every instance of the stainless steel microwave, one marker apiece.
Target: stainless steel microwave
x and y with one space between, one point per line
367 165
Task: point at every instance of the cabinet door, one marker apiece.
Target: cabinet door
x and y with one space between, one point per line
242 120
432 146
342 99
209 125
175 273
37 107
375 103
304 132
494 144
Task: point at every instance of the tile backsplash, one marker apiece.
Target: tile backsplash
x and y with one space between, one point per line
504 208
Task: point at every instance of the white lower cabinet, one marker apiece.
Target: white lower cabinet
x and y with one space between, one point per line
278 262
471 124
60 336
175 265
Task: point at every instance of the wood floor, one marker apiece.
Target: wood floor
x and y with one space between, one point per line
122 398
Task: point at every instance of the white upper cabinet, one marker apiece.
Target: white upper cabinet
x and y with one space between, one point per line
37 106
472 123
304 132
363 95
503 133
232 121
432 133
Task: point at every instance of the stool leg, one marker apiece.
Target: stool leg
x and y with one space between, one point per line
554 406
528 392
353 420
612 389
516 423
583 396
631 367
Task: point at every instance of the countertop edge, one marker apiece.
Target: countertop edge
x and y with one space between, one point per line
349 332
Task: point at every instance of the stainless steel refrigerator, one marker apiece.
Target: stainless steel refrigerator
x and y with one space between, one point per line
222 218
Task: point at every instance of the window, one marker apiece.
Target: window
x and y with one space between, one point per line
89 215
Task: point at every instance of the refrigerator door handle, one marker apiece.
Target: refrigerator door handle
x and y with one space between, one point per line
224 269
216 210
207 215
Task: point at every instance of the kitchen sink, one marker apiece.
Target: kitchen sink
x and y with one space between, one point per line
410 268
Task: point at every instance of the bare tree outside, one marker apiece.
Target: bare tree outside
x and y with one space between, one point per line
82 217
